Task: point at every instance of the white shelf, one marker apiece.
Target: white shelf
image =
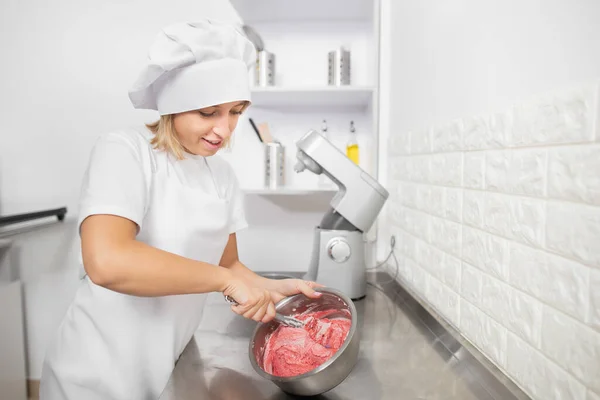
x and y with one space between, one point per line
288 192
253 11
312 97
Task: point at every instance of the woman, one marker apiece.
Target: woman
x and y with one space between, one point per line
158 221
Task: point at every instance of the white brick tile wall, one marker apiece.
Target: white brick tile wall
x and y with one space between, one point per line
407 245
580 357
446 235
475 133
419 169
481 132
497 217
471 284
473 208
417 223
446 169
443 299
516 171
574 231
574 174
499 125
443 266
518 312
452 208
435 206
497 220
451 271
560 118
447 137
541 377
398 168
396 213
430 258
557 281
527 218
517 218
416 276
487 252
484 332
424 202
393 188
473 174
402 271
407 194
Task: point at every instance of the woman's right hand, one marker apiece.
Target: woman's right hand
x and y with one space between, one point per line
253 303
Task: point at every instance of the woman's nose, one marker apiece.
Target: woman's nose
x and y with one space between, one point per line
221 128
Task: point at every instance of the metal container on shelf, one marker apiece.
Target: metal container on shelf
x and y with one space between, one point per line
274 165
264 73
339 67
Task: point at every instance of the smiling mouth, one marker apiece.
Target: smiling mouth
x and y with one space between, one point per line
213 142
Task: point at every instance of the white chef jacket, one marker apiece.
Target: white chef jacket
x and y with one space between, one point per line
113 346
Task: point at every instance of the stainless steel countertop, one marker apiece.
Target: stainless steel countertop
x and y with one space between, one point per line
405 353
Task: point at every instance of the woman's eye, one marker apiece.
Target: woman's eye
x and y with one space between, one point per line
237 112
205 114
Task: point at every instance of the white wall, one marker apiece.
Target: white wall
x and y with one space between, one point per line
66 71
493 162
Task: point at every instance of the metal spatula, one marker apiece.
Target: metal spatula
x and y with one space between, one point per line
282 319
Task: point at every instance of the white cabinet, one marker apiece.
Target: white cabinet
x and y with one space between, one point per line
300 35
12 345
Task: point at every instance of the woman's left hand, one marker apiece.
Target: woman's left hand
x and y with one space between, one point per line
282 288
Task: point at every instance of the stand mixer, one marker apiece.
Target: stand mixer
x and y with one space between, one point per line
338 255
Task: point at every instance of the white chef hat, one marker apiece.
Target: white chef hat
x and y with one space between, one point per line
193 65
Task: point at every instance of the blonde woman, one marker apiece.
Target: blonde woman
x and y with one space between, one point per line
158 220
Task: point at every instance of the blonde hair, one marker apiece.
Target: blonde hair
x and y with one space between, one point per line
165 137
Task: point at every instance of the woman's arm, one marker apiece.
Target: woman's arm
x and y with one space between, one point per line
114 259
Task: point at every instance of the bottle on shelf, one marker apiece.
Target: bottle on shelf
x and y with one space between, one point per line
352 145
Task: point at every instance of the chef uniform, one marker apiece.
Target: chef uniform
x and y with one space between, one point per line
114 346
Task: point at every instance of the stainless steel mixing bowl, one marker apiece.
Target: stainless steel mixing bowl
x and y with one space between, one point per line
329 374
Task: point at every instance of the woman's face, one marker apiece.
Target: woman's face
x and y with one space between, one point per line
203 132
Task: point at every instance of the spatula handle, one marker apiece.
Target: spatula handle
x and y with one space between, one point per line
282 319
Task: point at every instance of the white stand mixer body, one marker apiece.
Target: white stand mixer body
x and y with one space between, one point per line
338 258
338 261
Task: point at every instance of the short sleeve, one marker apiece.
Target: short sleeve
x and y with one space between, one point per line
114 182
237 215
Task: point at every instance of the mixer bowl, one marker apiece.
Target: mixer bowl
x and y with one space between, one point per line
329 374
